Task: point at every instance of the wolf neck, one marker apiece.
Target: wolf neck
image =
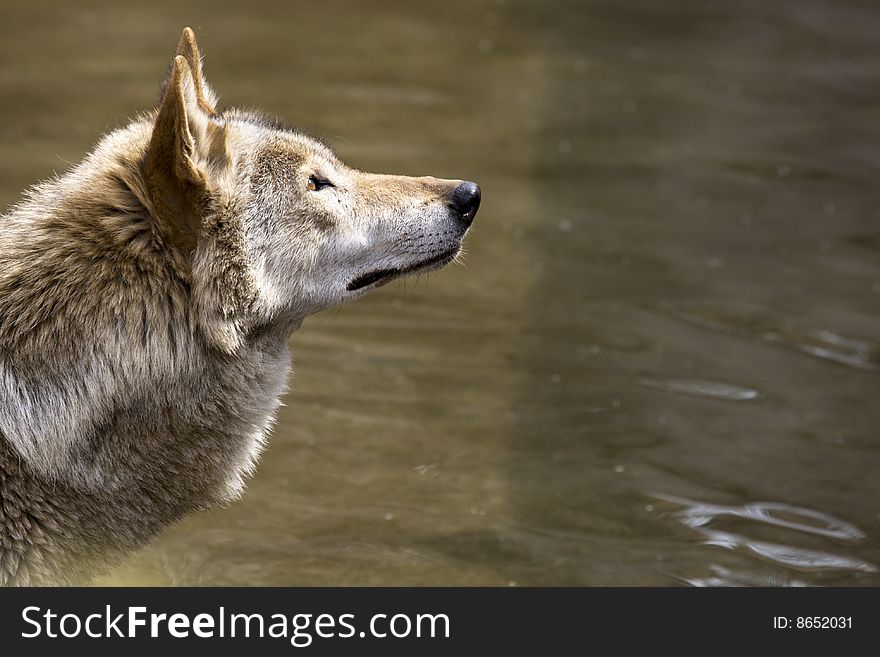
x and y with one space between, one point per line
173 449
124 404
143 453
55 533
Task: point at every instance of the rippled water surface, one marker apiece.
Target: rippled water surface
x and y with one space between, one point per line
659 362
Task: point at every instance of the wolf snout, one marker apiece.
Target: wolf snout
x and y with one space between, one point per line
465 200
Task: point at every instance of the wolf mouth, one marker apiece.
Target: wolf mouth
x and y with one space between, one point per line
380 277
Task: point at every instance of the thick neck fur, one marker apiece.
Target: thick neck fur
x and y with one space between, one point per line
130 392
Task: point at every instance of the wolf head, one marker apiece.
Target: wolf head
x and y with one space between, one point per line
277 227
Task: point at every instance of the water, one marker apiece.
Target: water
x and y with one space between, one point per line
658 364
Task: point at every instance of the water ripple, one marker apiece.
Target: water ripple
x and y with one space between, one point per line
702 388
860 354
699 516
726 577
759 325
798 558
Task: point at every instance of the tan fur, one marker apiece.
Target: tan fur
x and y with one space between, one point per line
146 298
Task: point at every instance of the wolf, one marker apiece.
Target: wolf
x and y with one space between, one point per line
146 300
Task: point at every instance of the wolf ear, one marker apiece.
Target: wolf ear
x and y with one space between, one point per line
186 152
189 50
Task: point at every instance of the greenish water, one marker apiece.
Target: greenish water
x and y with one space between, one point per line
660 360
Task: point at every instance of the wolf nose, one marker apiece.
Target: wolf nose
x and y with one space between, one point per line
465 200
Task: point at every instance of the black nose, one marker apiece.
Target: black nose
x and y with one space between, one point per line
465 200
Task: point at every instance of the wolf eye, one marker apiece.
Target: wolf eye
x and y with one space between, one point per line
316 184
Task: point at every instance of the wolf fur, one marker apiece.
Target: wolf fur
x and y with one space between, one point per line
146 300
